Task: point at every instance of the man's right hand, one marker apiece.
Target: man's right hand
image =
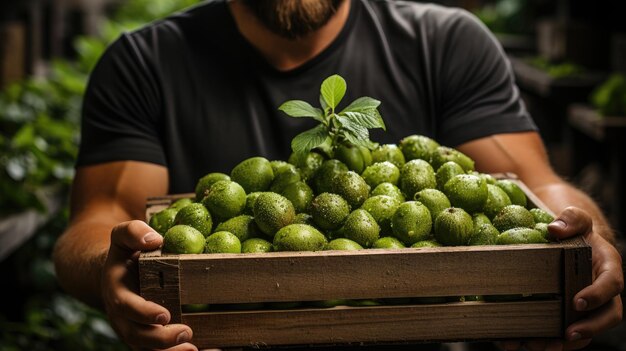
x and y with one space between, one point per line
141 324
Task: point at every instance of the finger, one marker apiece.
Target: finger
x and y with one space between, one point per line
182 347
609 281
600 320
135 236
570 222
156 336
131 306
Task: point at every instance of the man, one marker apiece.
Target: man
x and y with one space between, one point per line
198 92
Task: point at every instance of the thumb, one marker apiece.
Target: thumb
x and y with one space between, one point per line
135 236
570 222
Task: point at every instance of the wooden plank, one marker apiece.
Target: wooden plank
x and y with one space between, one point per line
159 281
577 275
408 323
410 272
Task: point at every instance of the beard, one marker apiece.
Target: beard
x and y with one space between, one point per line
293 19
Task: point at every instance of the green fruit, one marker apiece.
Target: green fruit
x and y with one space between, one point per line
389 190
484 234
467 191
543 229
329 210
329 303
363 303
300 195
454 227
222 242
388 242
446 172
256 245
299 237
286 177
183 239
204 184
382 208
303 218
250 200
521 236
197 216
272 212
243 226
355 157
225 199
180 203
361 228
279 166
411 222
418 147
343 244
497 199
541 216
487 177
323 180
163 220
426 243
388 152
195 307
351 187
416 175
480 219
381 172
435 200
513 216
515 193
307 164
253 174
444 154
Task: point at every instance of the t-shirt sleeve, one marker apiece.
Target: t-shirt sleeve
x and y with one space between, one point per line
477 95
121 108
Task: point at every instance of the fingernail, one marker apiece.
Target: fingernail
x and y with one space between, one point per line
581 305
182 337
559 223
574 336
152 236
161 319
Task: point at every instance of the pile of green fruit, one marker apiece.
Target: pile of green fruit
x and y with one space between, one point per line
340 191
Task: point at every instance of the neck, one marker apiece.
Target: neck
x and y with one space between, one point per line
282 53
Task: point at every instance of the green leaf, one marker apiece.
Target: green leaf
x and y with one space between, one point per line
333 89
299 108
310 139
354 129
362 104
369 119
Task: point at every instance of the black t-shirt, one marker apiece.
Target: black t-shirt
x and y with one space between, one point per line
189 92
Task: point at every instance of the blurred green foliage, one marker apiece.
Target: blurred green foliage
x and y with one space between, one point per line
556 70
609 98
39 137
506 16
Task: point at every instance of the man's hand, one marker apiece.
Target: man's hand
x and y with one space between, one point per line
141 324
601 300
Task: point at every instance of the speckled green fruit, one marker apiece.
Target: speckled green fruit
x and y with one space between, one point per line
515 193
279 166
204 183
486 176
382 208
479 219
513 216
256 245
286 177
497 199
444 154
303 218
484 234
361 227
307 164
426 243
272 212
381 172
299 237
250 200
541 216
467 191
416 175
180 203
388 152
225 199
418 147
521 236
355 157
352 187
222 242
323 180
197 216
253 174
389 190
454 227
543 229
163 220
329 210
411 222
435 200
388 242
446 172
300 195
183 239
343 244
243 226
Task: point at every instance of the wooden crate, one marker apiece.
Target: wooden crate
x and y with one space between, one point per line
554 271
